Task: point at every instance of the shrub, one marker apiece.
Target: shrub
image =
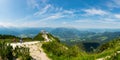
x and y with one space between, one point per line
6 51
23 53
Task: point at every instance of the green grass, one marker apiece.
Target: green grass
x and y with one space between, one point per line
39 37
17 40
79 57
56 51
105 53
110 49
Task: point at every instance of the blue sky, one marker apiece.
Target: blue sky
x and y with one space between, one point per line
60 13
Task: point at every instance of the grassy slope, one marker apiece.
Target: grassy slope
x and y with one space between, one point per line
39 37
108 49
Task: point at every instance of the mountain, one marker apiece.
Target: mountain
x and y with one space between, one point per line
70 33
22 32
75 35
110 50
79 50
9 31
45 36
59 51
66 34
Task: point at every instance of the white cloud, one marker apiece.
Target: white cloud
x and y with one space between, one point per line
68 11
94 11
93 23
6 24
64 23
39 4
43 16
33 4
43 10
83 20
114 4
117 2
101 20
56 16
117 16
108 20
48 12
34 24
44 21
60 14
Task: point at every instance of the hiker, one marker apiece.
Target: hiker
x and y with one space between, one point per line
40 50
14 40
21 40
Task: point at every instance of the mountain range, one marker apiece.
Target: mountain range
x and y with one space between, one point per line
66 34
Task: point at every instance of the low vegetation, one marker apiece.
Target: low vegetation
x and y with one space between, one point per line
8 37
8 53
58 51
39 37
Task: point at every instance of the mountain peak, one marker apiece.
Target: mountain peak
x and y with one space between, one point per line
45 36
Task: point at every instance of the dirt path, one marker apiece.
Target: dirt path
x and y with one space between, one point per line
35 49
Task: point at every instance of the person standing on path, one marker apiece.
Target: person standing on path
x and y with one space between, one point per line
14 40
21 40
